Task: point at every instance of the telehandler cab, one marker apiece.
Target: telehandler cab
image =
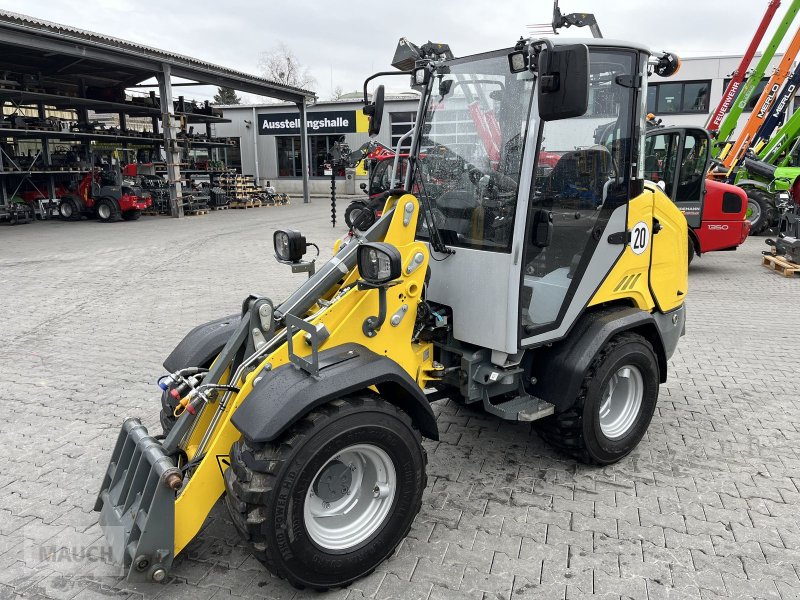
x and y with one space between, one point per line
553 295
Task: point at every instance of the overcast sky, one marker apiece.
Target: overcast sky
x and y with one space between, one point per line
344 42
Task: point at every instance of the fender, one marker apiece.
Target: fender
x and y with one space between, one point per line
282 396
559 372
199 347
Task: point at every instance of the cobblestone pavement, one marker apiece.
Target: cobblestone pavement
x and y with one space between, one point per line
707 506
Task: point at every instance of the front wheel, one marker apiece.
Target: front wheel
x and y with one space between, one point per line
333 497
68 210
614 406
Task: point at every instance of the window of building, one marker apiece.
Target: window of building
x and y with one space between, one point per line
289 163
402 122
319 147
751 104
678 97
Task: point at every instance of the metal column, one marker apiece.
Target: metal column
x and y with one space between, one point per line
304 150
254 125
170 143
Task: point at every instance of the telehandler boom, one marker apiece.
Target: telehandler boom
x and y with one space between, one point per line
551 294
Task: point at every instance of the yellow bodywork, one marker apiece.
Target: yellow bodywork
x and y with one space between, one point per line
656 279
631 279
343 319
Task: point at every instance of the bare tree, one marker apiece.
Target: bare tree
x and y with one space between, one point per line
337 93
280 65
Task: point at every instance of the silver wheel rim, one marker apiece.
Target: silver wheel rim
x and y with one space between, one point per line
104 211
66 210
754 211
621 402
350 497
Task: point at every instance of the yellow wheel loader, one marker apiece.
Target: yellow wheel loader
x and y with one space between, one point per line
528 269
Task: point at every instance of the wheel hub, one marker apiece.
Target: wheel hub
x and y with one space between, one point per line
334 482
350 498
753 211
621 402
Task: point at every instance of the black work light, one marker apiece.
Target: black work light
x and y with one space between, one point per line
421 75
290 245
518 61
379 263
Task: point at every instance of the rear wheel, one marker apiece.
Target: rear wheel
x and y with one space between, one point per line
131 215
332 498
108 210
760 210
692 250
614 406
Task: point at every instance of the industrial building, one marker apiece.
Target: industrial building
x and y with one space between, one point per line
269 137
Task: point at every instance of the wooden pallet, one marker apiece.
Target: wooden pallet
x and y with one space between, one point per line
194 213
242 205
223 207
781 265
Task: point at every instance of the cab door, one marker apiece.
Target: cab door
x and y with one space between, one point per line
679 157
577 211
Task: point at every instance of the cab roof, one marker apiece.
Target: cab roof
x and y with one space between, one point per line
597 42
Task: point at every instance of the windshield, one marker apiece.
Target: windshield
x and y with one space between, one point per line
470 151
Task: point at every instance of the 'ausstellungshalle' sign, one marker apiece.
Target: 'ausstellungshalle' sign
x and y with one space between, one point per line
339 121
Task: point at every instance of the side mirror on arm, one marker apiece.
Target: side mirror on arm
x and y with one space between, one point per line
563 86
374 110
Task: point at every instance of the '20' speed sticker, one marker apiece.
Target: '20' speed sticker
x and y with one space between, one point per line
640 237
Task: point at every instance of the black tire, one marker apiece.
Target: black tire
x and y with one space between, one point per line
692 250
266 487
131 215
69 210
577 431
763 207
167 414
354 211
107 210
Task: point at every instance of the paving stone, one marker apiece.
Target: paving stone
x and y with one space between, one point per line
708 505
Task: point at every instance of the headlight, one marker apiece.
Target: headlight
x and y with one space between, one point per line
290 245
518 61
379 263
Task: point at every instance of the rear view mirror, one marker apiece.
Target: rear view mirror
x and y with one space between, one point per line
374 110
563 90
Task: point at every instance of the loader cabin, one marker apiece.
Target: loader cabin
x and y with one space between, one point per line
525 160
520 193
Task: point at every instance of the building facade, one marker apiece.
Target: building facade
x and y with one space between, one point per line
270 139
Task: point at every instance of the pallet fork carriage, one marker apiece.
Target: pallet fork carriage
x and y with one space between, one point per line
539 282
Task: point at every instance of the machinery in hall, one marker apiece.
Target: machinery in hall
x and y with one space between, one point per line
106 193
553 296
